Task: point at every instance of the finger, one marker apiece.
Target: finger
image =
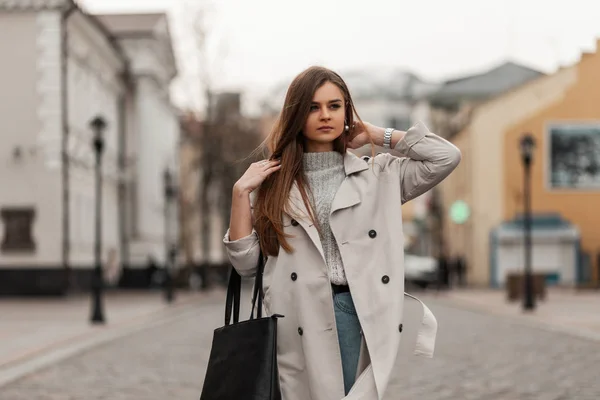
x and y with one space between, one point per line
271 163
273 169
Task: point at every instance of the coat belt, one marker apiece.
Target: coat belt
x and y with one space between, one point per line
427 331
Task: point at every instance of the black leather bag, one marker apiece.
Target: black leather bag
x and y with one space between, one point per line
243 357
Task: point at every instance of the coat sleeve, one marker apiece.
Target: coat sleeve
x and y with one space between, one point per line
243 253
426 160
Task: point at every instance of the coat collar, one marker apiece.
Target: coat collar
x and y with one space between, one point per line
346 196
353 163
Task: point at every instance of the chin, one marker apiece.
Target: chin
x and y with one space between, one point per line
325 137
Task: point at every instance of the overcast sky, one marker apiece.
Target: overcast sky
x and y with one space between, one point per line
255 44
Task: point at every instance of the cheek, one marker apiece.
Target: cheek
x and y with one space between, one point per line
340 117
312 123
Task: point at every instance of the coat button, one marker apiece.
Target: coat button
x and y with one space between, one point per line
372 234
294 222
294 276
300 331
385 279
400 328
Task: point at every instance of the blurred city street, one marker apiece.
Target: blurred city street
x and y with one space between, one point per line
479 355
39 332
127 126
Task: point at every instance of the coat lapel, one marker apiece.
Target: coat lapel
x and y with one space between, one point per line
300 213
348 194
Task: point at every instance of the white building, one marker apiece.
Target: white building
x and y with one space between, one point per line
153 136
389 96
61 68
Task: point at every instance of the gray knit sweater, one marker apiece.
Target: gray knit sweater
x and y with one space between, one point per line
325 173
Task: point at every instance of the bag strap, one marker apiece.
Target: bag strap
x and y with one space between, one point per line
233 297
258 288
234 289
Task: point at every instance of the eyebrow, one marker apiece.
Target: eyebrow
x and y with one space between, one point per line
329 102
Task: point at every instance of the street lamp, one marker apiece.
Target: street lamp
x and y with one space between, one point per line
527 146
170 251
98 125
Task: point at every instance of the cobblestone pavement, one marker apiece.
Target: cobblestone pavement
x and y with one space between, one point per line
477 357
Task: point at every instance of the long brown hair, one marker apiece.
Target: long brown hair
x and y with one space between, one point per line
286 143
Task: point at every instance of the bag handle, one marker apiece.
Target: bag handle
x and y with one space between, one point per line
233 297
234 289
258 288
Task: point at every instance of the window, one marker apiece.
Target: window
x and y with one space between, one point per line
17 229
574 156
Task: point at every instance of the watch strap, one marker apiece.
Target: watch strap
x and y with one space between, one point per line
387 138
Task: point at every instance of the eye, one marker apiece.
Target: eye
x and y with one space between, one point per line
314 108
335 106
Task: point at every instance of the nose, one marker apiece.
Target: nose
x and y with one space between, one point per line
325 114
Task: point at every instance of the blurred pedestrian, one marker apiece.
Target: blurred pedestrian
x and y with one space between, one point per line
112 271
461 270
152 272
330 225
443 271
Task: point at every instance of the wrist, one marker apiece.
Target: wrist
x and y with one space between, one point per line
240 190
378 136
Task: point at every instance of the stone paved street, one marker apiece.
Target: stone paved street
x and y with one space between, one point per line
477 357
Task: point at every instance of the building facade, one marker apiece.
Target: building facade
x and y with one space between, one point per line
151 142
558 111
62 68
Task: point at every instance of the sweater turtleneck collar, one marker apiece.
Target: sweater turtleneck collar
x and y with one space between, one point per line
316 161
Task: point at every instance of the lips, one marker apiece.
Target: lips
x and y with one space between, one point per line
325 128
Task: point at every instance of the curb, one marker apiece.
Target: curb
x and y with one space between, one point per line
75 345
519 319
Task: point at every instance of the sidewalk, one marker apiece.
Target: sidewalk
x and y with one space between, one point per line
38 332
564 310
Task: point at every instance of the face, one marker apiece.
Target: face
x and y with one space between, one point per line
325 121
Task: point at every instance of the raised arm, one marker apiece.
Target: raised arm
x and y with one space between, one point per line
240 222
425 159
241 240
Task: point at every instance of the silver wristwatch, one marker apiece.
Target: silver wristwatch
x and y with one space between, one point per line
387 138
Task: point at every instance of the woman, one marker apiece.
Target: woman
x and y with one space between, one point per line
330 224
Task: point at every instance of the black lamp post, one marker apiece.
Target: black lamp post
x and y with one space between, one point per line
98 125
527 146
170 251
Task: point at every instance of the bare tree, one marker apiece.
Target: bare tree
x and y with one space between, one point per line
232 139
200 84
220 144
239 137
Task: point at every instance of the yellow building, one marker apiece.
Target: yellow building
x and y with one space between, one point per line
559 110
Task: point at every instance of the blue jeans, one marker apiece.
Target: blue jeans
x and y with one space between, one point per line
349 336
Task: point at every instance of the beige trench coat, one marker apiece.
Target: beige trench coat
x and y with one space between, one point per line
366 221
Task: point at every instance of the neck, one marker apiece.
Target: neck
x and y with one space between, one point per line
316 147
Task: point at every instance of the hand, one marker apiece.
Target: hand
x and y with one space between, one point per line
256 174
360 134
